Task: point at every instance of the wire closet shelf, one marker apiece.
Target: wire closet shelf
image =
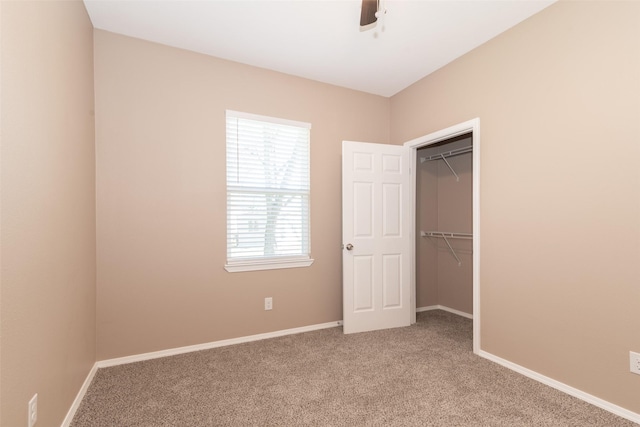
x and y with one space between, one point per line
446 235
450 153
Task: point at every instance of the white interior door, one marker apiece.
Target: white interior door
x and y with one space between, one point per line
376 217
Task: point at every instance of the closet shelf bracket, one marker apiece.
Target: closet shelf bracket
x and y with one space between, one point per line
446 236
443 156
450 168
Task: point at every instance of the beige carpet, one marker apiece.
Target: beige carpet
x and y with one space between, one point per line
423 375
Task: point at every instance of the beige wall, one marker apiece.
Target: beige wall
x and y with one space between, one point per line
560 119
161 224
444 204
47 237
557 97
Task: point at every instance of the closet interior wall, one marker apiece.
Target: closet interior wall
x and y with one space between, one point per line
444 204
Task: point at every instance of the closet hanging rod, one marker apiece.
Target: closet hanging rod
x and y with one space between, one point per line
445 154
446 236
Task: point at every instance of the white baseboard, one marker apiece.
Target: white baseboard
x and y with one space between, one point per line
596 401
214 344
180 350
607 406
445 308
600 403
78 400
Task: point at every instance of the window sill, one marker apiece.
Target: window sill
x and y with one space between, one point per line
256 265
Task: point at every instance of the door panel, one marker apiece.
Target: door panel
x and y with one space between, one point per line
391 210
391 281
376 220
363 276
363 209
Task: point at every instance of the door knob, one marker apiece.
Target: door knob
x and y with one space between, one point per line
349 246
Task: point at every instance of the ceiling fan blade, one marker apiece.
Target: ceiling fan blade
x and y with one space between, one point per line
368 12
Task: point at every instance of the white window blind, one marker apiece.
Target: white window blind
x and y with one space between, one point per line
267 192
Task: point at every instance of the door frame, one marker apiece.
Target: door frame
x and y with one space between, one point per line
472 126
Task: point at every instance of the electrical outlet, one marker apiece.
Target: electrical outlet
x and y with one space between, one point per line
268 303
33 410
634 360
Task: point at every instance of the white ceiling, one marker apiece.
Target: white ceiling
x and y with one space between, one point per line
320 39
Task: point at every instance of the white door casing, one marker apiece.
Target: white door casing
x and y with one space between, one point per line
471 126
376 220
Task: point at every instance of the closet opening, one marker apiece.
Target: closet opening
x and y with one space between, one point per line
444 234
446 222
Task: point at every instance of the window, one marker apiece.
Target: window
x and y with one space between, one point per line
267 193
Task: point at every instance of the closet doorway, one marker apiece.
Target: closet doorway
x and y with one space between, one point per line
446 208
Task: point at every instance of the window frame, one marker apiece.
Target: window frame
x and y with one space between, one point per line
240 264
